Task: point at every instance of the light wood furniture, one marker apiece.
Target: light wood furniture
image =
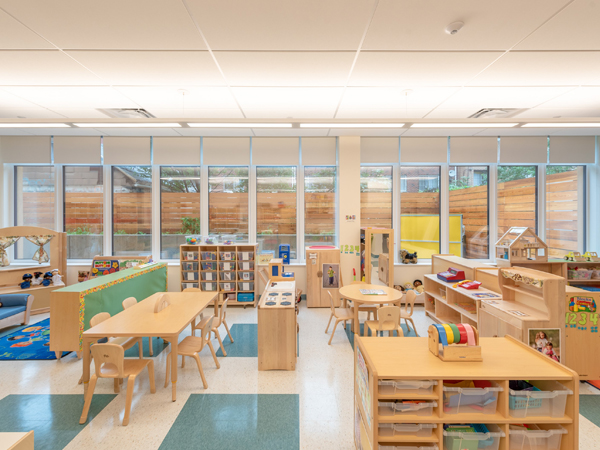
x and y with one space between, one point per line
389 320
192 345
454 352
392 297
128 302
504 359
16 441
232 272
441 263
277 327
216 323
72 307
384 268
140 320
488 276
110 362
585 265
384 245
406 315
104 265
20 318
316 259
340 315
12 276
520 245
371 310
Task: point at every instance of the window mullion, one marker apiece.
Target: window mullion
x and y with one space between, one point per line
156 213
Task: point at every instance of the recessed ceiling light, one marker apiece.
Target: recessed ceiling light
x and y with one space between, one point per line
463 125
240 125
128 125
561 125
351 125
33 125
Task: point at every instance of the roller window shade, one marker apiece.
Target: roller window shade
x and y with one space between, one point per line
318 151
77 150
25 149
275 151
127 150
572 149
423 150
524 150
473 150
375 150
176 151
233 151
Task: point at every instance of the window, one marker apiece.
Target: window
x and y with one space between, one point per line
34 203
132 210
319 205
228 201
469 201
565 210
83 210
517 197
276 208
179 207
376 189
420 211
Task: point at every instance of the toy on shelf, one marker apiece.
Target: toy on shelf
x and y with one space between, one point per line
284 253
57 278
418 284
193 239
575 257
37 278
468 284
452 275
47 281
276 272
520 244
455 342
26 283
591 257
408 258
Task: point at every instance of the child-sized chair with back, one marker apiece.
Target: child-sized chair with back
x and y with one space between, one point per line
389 320
110 362
409 301
128 303
340 314
221 320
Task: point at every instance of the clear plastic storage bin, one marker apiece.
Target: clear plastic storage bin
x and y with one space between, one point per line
537 437
227 266
228 239
209 265
191 256
227 256
549 398
459 400
246 265
211 240
190 276
209 256
227 287
227 276
406 429
189 266
485 437
246 286
246 256
209 276
209 286
406 409
193 239
412 387
246 276
409 447
189 285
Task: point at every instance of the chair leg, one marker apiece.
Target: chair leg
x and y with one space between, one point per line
88 399
413 326
151 376
220 341
212 350
333 332
130 386
168 369
197 358
117 386
150 343
329 323
228 332
182 361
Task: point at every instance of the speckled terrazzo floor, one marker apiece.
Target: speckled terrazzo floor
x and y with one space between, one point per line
310 408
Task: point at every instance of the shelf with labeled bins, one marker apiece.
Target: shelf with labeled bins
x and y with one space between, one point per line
405 370
229 270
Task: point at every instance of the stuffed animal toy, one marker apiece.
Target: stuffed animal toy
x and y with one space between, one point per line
26 281
37 278
418 284
57 278
47 279
408 258
408 287
399 287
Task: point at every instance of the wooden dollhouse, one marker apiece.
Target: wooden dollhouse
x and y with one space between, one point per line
520 245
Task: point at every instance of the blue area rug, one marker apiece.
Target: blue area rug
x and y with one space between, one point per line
350 334
589 407
28 342
245 337
236 421
157 343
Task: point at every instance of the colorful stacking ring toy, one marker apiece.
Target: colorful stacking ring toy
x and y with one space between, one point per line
463 333
455 333
470 335
442 334
449 333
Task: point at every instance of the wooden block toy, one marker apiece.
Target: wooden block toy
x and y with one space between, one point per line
276 272
455 342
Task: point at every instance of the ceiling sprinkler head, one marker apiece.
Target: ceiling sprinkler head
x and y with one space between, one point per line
454 28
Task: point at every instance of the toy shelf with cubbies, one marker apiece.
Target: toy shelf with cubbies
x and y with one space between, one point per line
407 398
229 270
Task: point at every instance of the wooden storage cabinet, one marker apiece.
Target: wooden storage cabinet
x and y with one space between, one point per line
384 246
316 295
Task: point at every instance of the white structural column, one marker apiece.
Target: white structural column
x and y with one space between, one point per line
593 200
349 197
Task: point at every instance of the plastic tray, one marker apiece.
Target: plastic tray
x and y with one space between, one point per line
227 266
538 437
486 437
191 256
209 276
246 286
246 256
245 297
227 276
413 387
406 429
406 409
246 276
209 265
209 256
227 287
458 400
186 285
209 286
248 265
189 266
190 276
227 256
549 400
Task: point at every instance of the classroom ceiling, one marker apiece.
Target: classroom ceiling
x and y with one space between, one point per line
316 60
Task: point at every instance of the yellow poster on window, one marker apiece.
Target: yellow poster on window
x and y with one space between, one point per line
421 233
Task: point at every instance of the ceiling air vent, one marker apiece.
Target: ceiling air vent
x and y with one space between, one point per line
497 113
126 113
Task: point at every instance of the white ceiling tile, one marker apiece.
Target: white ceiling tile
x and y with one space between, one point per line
86 113
487 25
380 113
579 98
282 25
409 69
206 113
454 113
8 100
395 98
575 28
170 97
290 132
542 69
215 131
290 113
52 67
152 68
73 97
14 35
28 113
501 97
285 68
556 113
110 24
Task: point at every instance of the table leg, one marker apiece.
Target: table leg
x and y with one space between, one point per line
174 342
86 363
355 322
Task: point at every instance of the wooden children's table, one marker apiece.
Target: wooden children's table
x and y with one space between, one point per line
352 292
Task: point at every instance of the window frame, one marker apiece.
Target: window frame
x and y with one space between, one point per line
335 203
207 212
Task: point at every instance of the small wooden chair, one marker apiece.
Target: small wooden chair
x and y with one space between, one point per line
340 314
409 300
110 362
192 345
221 320
128 303
370 310
389 320
264 275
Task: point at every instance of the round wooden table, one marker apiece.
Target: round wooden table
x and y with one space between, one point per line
352 292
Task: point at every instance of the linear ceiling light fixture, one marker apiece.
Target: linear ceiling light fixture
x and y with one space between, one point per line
463 125
351 125
128 125
33 125
560 125
239 125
